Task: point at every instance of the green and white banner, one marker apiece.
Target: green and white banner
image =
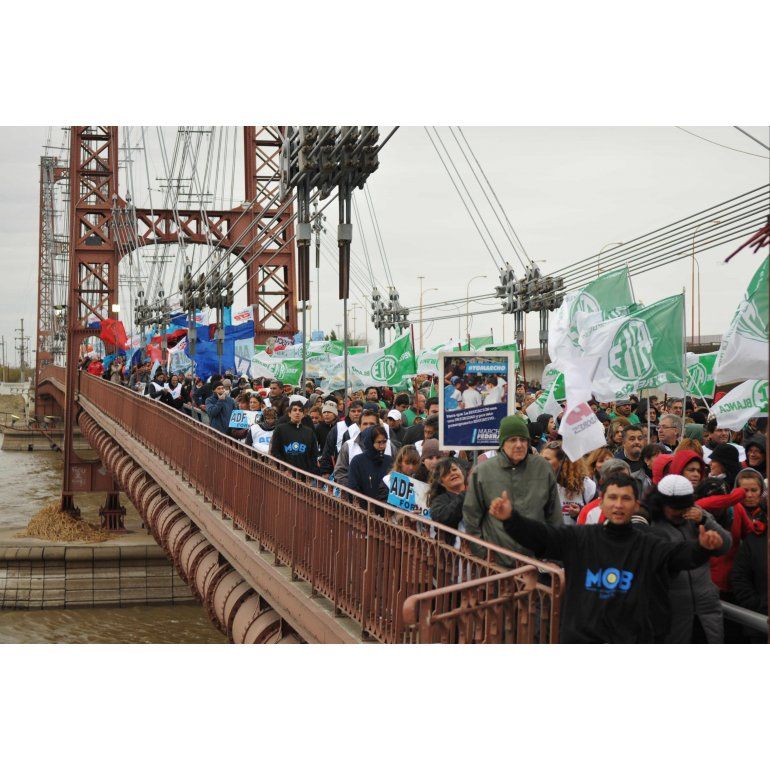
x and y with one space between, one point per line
427 360
741 404
743 352
386 366
511 346
476 343
607 295
700 375
287 370
641 350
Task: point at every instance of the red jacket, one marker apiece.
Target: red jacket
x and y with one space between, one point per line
586 509
739 524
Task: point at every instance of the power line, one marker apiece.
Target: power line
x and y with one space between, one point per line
726 147
753 138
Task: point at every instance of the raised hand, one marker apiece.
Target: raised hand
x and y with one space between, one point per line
708 539
501 507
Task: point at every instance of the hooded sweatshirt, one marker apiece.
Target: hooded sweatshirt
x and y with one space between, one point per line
613 576
368 468
296 445
758 440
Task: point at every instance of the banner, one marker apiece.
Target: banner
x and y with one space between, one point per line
243 316
741 404
386 366
743 351
581 432
407 494
287 370
641 350
700 375
477 399
427 360
509 347
605 295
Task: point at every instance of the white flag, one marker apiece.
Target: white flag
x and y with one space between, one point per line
581 432
743 350
741 404
545 403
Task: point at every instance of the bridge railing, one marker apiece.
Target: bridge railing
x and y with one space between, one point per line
366 557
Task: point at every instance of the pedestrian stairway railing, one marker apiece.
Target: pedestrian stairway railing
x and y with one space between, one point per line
377 564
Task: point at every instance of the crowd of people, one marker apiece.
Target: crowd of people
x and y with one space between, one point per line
654 529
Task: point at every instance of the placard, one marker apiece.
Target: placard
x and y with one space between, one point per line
475 397
407 493
241 418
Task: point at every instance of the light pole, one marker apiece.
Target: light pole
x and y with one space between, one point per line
598 260
422 293
467 308
355 313
692 285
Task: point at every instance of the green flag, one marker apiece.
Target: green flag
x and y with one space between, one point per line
700 375
741 404
511 346
743 351
287 370
639 351
606 296
477 342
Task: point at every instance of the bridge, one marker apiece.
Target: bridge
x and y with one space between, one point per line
277 555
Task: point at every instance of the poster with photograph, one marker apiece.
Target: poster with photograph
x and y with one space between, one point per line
474 396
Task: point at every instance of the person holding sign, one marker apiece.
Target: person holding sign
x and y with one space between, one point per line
447 495
262 432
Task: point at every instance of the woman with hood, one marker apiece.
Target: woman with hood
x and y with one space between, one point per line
688 464
755 502
694 607
368 468
756 453
540 431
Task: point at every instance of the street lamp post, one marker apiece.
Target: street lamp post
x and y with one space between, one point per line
692 285
421 278
467 308
598 260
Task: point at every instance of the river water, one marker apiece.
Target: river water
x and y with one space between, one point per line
31 480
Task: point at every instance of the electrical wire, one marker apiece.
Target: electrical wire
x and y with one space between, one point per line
726 147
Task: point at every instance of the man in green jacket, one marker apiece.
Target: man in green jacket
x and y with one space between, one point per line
528 479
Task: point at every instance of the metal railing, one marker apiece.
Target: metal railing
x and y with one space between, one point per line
366 557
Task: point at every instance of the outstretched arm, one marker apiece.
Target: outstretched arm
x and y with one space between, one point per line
544 539
687 556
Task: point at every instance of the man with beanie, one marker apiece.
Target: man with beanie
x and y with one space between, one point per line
329 413
615 574
527 479
695 612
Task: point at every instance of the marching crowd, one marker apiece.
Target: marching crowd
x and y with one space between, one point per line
653 529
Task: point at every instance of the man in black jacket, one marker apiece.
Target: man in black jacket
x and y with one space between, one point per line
613 572
295 443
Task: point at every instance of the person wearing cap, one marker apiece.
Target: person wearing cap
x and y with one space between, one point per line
219 407
694 611
429 459
396 425
527 479
724 464
342 432
329 415
625 408
756 453
615 575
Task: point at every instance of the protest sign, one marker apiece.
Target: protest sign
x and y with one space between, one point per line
241 418
407 494
476 398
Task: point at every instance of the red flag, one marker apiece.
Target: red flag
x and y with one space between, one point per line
153 351
113 332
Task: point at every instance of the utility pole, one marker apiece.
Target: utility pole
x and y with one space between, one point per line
3 370
21 348
318 228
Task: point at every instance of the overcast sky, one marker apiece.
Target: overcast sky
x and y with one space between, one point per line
567 191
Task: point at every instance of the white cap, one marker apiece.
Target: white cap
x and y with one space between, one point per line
299 398
675 486
394 414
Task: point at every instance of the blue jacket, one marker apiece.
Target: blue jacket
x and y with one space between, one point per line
219 411
368 469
